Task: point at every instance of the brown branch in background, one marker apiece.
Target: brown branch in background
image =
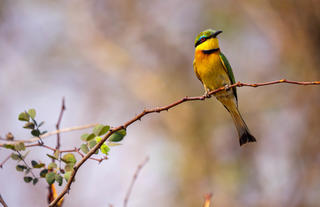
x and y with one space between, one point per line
41 145
4 161
2 202
31 140
63 108
207 200
158 110
134 178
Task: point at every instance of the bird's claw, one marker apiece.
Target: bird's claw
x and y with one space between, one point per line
206 94
226 87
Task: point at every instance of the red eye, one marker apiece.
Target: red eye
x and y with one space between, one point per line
202 39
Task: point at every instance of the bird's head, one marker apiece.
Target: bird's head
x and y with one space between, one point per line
207 40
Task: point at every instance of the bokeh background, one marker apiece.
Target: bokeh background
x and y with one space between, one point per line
112 59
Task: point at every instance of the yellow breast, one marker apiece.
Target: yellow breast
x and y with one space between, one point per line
211 70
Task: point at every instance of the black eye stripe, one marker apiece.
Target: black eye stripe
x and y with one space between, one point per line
203 39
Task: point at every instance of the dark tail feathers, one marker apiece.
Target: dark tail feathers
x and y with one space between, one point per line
246 137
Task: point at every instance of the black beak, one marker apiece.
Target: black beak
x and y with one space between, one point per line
217 33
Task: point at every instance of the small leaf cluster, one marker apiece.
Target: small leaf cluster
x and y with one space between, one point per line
31 123
56 174
15 147
93 138
22 165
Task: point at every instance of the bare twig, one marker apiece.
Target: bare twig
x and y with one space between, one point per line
41 145
134 178
158 110
4 161
63 107
2 202
207 200
87 126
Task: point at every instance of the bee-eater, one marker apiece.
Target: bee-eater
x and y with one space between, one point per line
214 71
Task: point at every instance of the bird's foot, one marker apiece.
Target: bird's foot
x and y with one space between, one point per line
226 87
206 94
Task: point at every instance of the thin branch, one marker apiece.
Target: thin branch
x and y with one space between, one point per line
92 158
4 161
31 140
2 202
21 157
134 178
238 84
207 200
63 108
41 145
60 152
158 110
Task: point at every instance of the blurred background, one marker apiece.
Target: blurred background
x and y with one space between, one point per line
112 59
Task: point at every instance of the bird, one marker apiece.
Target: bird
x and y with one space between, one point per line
214 71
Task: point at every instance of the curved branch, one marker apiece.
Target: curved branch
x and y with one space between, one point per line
158 110
238 84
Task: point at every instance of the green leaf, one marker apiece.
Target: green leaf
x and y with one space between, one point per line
84 148
59 179
15 156
118 135
104 149
100 129
87 137
20 168
35 180
52 157
20 146
43 173
35 132
52 166
8 146
68 167
50 177
34 163
67 175
69 158
40 165
28 125
98 139
24 116
32 113
113 144
27 179
92 143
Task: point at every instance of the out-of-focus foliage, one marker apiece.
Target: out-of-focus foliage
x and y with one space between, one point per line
110 59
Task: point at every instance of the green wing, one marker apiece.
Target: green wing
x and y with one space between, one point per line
228 69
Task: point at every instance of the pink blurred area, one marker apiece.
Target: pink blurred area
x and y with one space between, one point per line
112 59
